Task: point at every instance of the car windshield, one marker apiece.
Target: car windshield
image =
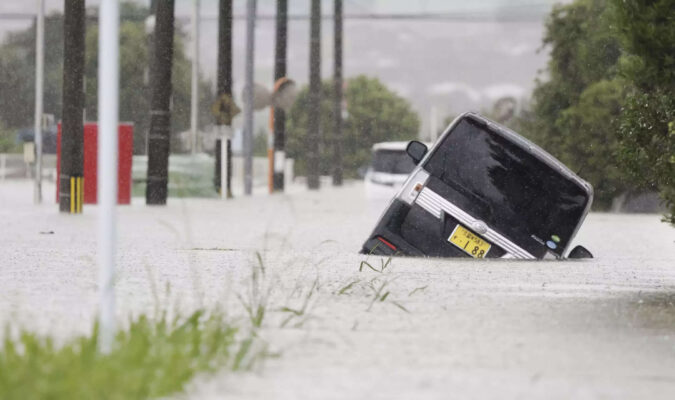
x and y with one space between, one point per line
513 191
392 162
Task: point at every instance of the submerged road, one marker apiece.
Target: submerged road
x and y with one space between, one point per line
592 329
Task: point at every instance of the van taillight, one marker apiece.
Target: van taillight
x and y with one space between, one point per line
386 242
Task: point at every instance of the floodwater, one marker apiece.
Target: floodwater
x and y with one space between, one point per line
585 329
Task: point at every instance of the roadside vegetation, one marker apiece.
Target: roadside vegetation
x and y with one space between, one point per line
606 107
374 114
7 140
150 359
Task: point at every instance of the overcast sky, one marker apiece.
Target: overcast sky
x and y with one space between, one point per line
302 6
486 49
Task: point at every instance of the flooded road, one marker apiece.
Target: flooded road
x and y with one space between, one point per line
407 328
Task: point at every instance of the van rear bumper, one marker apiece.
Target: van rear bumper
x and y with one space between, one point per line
384 241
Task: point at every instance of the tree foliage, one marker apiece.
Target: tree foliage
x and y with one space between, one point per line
606 107
573 110
374 114
7 142
645 126
17 73
17 69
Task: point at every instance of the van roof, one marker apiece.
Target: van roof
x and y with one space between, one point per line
395 146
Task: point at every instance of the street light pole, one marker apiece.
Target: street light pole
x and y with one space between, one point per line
108 106
39 91
337 100
279 114
223 151
194 103
159 141
314 117
248 97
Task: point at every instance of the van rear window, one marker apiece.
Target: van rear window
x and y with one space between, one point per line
513 191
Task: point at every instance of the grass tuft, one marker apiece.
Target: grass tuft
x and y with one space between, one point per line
301 313
345 288
255 301
149 359
418 289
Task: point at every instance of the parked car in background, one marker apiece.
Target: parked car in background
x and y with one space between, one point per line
483 191
389 168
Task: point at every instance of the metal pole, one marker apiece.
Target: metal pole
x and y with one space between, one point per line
314 118
279 115
39 85
72 132
248 97
150 22
337 105
433 124
194 104
159 140
108 105
223 155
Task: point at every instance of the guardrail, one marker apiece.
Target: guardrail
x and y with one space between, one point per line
13 166
187 174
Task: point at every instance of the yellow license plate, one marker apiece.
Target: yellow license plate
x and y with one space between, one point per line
469 242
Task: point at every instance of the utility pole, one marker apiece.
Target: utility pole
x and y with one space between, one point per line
248 98
150 22
39 91
159 139
72 129
279 114
194 103
314 117
108 114
223 151
337 105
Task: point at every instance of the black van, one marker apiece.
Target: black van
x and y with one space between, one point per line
483 191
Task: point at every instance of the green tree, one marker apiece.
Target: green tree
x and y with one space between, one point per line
260 143
7 140
17 66
645 126
573 110
374 114
592 152
17 73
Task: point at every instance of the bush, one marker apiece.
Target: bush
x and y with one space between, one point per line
8 142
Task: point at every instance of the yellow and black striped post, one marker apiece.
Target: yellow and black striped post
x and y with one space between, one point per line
73 193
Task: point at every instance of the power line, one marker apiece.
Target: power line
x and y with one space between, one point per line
445 16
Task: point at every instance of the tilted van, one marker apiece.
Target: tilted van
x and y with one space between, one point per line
483 191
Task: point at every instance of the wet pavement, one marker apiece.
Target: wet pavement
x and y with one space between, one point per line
588 329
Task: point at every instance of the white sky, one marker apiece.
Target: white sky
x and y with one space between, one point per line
452 65
302 6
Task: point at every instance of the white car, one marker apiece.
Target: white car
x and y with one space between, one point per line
388 170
